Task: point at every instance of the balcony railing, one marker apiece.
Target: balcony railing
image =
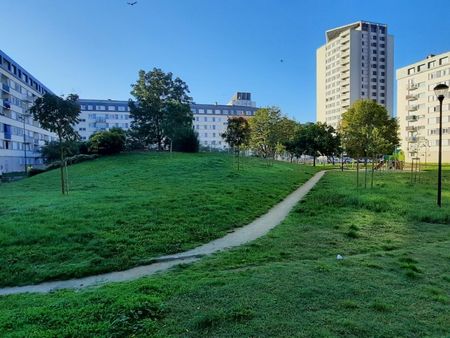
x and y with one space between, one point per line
5 87
412 108
412 139
411 97
411 128
412 86
412 118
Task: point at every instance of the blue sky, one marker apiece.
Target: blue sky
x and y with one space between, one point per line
96 47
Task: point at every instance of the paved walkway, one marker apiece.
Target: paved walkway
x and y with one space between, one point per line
250 232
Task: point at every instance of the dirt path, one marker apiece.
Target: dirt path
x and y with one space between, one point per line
240 236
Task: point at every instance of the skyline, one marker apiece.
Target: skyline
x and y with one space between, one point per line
215 57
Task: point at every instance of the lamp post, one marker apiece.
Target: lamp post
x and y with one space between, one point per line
440 90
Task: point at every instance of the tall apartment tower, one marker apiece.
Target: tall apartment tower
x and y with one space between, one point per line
357 62
418 108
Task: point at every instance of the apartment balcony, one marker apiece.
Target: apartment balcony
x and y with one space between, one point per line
412 86
411 128
410 97
412 108
5 88
412 139
412 118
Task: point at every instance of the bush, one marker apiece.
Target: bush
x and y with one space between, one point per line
186 141
107 142
50 152
72 160
35 171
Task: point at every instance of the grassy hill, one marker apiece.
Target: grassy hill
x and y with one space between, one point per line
394 279
124 210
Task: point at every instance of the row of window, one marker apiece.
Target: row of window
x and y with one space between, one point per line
430 64
108 117
222 112
103 107
21 74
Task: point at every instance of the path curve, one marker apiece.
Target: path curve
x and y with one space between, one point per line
245 234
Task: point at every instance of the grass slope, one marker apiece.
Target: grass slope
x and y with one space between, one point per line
393 281
124 210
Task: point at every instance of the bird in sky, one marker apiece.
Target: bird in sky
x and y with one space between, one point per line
281 60
132 3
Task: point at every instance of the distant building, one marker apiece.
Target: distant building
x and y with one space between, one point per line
357 62
20 135
99 115
418 108
209 120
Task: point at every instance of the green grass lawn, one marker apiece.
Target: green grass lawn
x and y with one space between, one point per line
125 210
394 280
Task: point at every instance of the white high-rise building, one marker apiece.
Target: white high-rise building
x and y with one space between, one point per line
357 62
418 108
20 136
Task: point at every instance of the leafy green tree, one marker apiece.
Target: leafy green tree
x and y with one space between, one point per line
237 134
264 126
60 116
368 131
161 106
107 142
186 140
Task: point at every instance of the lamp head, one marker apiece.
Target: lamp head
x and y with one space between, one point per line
441 91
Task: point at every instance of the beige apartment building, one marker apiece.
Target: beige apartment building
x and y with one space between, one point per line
418 108
357 62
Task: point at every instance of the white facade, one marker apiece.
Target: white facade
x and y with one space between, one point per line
209 120
99 115
19 139
418 108
355 63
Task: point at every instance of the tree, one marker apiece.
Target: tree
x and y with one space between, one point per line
186 140
287 129
264 126
60 116
107 142
368 131
237 134
161 106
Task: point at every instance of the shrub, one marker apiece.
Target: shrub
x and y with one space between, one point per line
50 152
186 141
72 160
35 171
107 142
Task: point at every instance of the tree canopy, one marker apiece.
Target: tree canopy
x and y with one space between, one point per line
60 116
161 107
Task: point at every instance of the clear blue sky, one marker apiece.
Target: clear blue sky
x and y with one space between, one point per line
96 47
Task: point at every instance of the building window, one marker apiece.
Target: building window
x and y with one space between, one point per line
201 111
111 108
443 61
89 107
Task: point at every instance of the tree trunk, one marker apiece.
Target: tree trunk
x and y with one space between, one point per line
373 169
61 167
357 172
238 157
365 172
314 160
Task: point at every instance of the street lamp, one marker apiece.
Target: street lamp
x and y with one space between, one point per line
440 90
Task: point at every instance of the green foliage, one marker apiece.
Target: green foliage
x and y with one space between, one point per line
368 130
107 142
265 131
51 151
161 107
237 134
60 116
186 141
126 209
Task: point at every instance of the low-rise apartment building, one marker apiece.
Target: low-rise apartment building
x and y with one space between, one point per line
418 108
209 120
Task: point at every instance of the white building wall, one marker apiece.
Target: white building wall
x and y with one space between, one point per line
418 108
355 63
18 91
